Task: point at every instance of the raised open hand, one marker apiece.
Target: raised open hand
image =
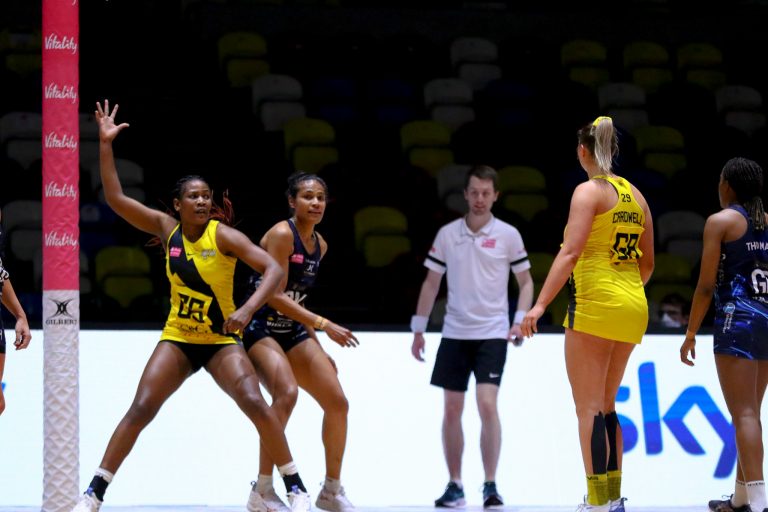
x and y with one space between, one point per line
108 130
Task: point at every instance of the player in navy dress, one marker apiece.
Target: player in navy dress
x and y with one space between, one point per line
283 346
734 269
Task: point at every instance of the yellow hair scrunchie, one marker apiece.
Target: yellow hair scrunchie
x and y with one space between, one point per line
599 120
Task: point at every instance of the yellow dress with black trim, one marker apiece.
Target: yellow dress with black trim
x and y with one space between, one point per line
606 297
201 280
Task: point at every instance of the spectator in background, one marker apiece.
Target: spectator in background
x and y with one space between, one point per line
477 252
674 310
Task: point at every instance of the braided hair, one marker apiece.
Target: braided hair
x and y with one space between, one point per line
745 177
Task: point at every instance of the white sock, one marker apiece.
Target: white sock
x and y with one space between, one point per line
334 486
108 476
290 468
740 498
756 493
264 483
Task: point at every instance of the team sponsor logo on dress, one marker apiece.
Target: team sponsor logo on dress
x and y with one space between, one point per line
729 309
53 189
297 258
488 243
174 252
54 91
61 316
208 253
55 140
63 43
54 239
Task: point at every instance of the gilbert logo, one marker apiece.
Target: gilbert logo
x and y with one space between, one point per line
61 316
55 141
174 252
53 189
297 258
489 243
53 239
54 91
66 43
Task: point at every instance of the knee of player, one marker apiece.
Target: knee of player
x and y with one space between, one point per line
488 409
285 400
337 403
141 412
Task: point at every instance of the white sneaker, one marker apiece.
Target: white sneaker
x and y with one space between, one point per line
299 501
338 502
617 505
586 507
87 503
255 501
273 501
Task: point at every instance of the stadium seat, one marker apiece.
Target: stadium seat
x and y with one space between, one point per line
661 148
680 232
701 63
275 88
522 190
450 187
307 132
647 64
473 49
381 234
671 268
123 273
585 62
242 56
21 137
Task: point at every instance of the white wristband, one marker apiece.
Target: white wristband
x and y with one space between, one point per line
419 323
519 315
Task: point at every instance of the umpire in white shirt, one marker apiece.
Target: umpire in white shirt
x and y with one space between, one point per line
477 252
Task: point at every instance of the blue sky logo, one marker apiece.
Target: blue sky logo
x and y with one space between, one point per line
674 419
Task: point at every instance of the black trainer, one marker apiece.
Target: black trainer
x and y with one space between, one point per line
452 497
491 497
727 506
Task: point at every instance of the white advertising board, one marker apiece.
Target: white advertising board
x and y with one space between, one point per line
201 450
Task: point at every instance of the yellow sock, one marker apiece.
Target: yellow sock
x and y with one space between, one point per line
597 489
614 485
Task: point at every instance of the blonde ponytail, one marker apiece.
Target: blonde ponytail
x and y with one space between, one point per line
605 135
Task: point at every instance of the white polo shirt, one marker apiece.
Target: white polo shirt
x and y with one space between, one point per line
478 266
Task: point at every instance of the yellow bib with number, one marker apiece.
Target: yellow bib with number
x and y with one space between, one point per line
201 280
606 294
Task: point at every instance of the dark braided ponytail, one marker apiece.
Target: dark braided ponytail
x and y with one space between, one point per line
745 177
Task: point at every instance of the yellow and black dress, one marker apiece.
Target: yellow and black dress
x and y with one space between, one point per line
606 294
201 280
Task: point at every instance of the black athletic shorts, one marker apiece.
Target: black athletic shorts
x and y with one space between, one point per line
198 354
2 338
258 330
457 359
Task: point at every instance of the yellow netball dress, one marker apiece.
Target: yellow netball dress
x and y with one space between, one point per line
605 291
201 289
